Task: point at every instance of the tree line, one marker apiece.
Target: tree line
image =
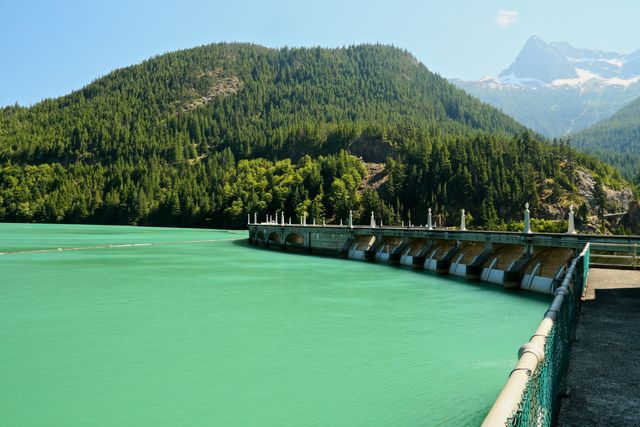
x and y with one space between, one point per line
204 136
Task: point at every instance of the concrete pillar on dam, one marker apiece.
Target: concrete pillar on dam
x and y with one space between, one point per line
527 219
571 229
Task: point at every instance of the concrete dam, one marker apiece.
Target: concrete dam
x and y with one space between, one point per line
532 261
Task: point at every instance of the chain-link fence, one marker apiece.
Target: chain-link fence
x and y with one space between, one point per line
541 396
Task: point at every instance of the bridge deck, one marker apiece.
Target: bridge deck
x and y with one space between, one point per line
604 369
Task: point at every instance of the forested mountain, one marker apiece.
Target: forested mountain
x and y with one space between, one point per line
201 137
616 140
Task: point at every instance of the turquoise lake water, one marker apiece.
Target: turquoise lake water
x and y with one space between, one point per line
198 328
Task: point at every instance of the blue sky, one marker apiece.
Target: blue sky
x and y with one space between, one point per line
49 48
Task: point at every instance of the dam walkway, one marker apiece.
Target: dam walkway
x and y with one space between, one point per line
603 381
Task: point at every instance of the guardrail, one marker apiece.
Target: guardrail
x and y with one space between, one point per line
530 396
624 256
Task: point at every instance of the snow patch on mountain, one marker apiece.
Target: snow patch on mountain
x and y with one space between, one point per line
512 79
585 76
616 62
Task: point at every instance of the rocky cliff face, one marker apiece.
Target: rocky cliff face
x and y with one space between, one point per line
618 200
622 209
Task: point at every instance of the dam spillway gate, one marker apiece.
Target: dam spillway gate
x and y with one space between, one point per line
530 261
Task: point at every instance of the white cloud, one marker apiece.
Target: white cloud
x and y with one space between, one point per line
506 17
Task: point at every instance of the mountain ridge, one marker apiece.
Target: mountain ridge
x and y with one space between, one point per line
205 136
615 140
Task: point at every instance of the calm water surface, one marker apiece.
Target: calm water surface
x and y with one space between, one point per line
195 328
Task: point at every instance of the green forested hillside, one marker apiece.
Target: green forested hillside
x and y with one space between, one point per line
202 137
616 140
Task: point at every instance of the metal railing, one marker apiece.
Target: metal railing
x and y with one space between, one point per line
615 255
531 394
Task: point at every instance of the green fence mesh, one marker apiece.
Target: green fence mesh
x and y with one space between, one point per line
541 397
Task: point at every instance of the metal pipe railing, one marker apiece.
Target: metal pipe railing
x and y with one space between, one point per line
531 355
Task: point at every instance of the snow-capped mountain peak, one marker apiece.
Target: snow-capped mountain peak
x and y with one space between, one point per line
555 88
539 61
559 63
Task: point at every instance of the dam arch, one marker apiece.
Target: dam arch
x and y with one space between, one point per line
295 239
274 237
